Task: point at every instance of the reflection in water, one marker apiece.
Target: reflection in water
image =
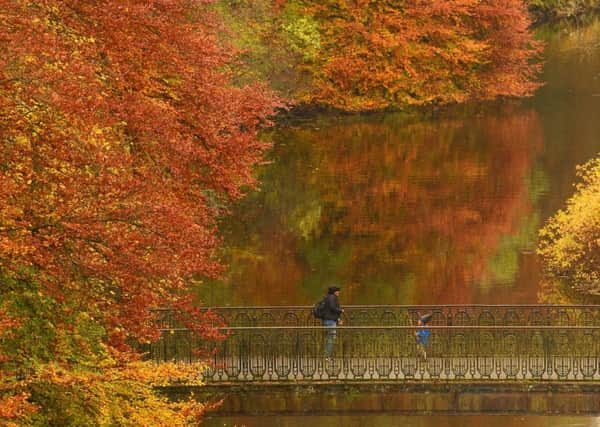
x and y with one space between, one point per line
405 421
569 106
397 212
401 212
441 210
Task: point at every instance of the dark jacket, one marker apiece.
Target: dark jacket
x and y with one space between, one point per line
332 308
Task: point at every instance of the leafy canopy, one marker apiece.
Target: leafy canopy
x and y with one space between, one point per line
122 139
570 240
358 55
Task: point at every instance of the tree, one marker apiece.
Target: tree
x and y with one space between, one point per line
123 139
361 55
381 54
570 241
545 10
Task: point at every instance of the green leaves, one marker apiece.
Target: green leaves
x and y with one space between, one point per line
303 35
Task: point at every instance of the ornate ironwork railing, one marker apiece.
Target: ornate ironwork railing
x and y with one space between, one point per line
377 353
406 315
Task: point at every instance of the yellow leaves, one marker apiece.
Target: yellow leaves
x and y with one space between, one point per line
164 374
171 80
570 241
22 141
111 370
304 36
57 66
114 390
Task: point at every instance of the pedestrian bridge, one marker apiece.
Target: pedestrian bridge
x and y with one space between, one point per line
468 343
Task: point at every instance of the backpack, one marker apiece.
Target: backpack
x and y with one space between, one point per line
319 308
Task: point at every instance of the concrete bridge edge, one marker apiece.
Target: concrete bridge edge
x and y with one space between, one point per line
407 397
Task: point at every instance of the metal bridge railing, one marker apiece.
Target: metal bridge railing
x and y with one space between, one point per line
375 353
405 315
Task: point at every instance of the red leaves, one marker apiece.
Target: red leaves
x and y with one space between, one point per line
122 137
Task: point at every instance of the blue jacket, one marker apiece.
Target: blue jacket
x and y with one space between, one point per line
423 336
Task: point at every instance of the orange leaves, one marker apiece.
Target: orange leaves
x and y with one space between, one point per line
15 407
387 54
6 323
122 139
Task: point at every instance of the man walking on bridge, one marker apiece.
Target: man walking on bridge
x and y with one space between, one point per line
331 317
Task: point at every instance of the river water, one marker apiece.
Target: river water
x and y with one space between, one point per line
434 210
405 421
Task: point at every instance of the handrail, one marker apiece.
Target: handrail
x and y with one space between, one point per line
395 327
407 306
405 315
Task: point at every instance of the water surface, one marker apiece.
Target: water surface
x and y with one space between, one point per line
406 421
443 209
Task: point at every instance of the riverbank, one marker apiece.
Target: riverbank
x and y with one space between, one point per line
545 11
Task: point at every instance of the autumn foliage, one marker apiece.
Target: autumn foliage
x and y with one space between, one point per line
126 129
361 55
378 54
122 141
570 240
545 10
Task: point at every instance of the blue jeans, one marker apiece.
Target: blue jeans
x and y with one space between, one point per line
331 333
